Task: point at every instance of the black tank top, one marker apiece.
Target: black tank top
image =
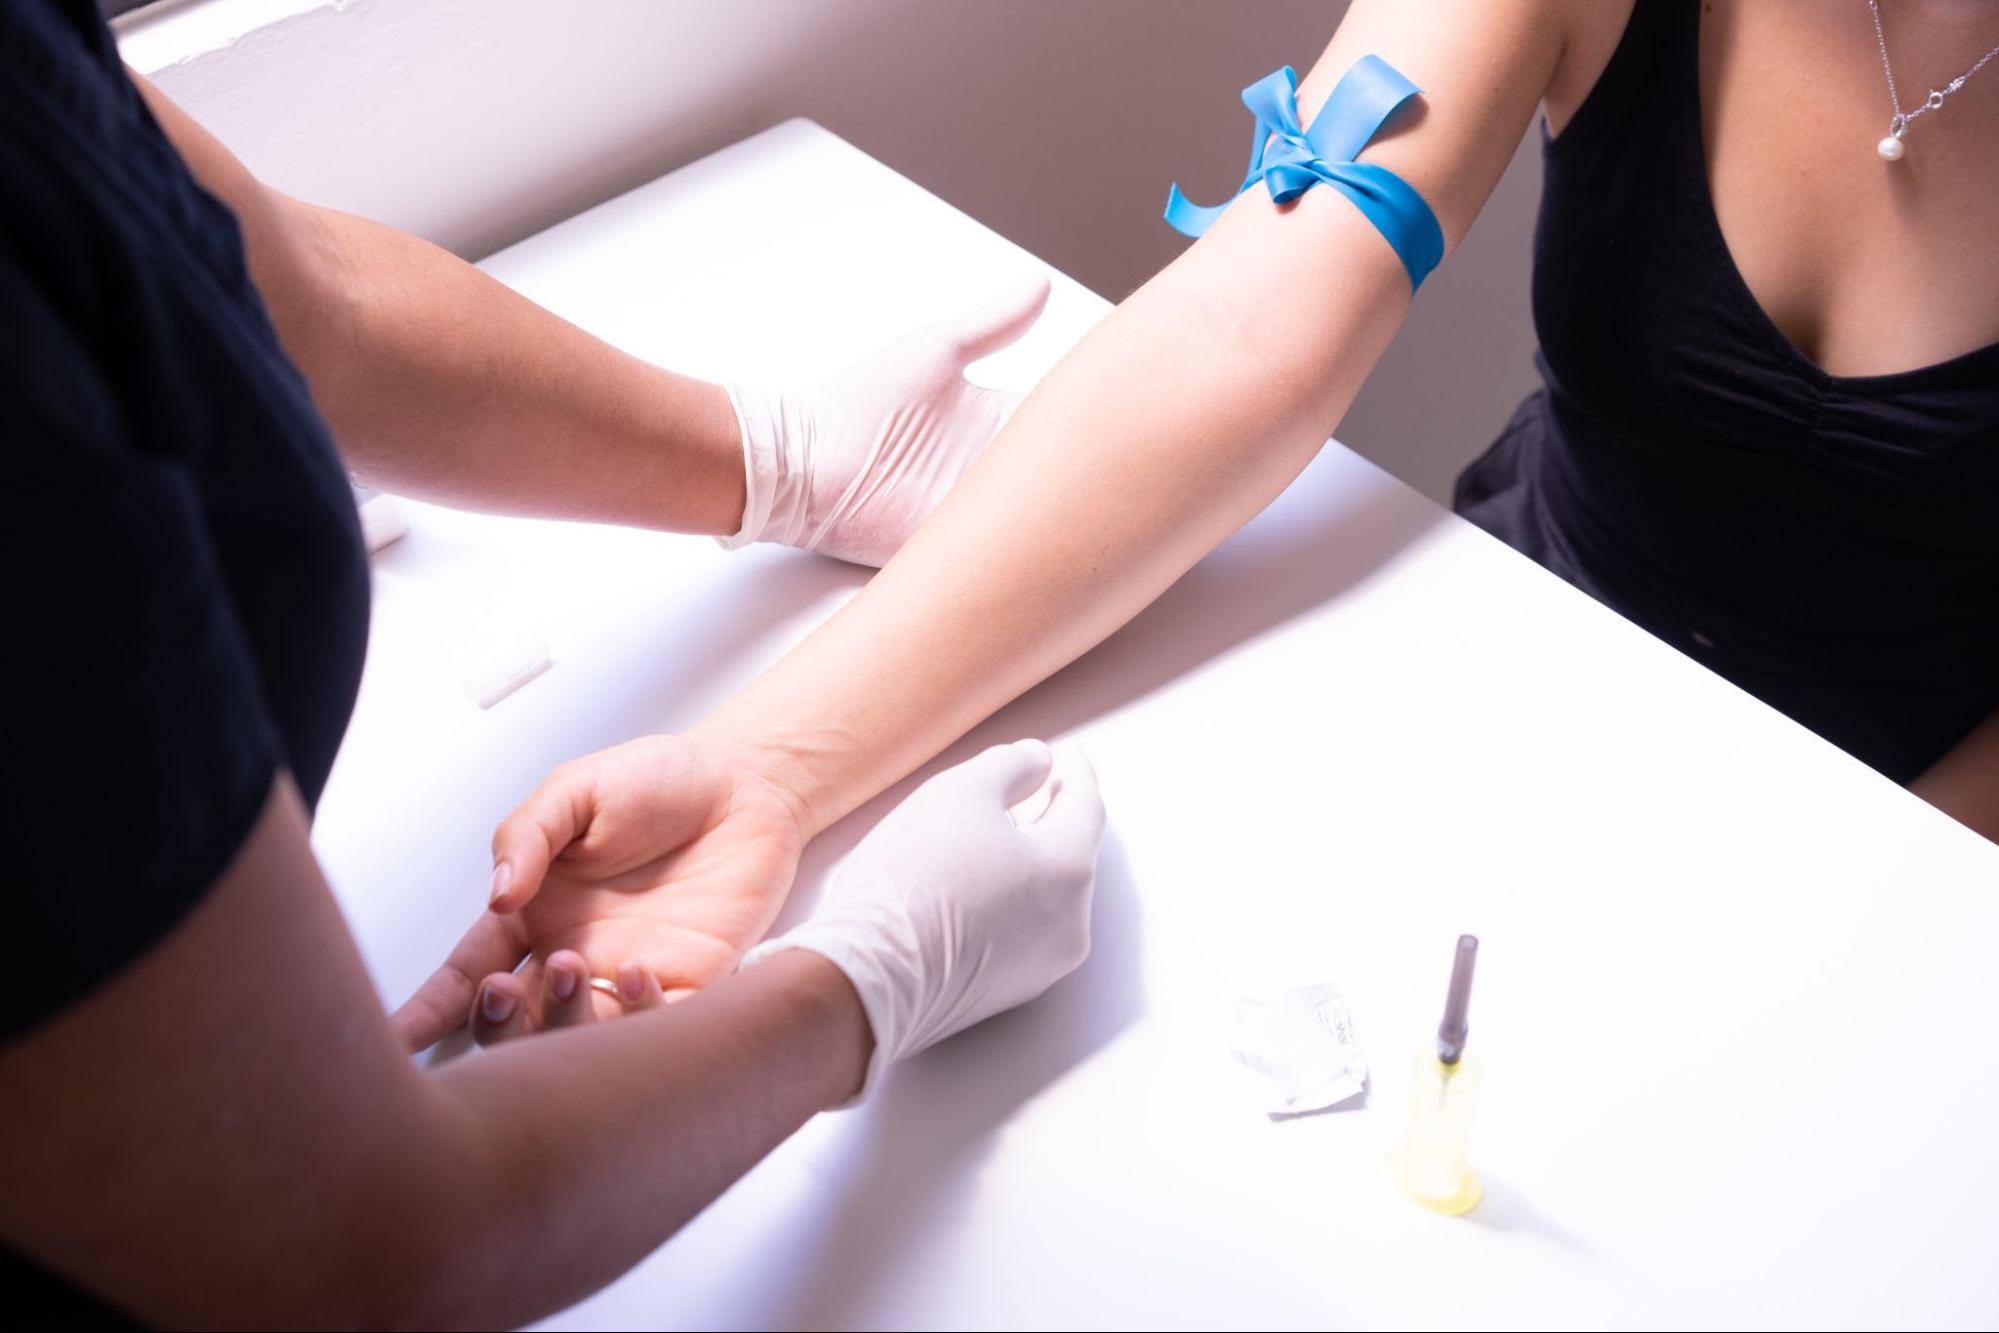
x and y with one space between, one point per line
1830 544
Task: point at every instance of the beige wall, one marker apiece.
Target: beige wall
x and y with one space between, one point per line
1059 123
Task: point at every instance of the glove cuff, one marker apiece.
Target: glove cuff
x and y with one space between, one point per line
760 463
776 431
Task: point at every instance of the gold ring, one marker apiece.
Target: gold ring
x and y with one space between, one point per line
608 986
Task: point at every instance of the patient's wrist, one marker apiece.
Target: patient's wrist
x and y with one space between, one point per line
795 767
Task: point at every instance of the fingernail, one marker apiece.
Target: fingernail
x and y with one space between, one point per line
631 982
496 1004
503 879
563 980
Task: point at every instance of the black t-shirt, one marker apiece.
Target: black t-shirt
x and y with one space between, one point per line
186 597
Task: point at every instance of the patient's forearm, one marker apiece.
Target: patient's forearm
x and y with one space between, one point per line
1170 426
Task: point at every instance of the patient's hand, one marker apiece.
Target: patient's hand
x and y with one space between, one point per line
669 851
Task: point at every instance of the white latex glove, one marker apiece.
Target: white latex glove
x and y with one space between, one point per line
849 469
949 911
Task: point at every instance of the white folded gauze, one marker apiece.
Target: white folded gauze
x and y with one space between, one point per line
1302 1042
501 666
382 519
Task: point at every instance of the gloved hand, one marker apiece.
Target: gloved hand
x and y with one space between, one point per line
949 911
851 468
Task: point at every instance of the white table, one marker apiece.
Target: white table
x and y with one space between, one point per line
1733 988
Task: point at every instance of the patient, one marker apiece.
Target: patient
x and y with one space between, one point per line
207 1119
1805 499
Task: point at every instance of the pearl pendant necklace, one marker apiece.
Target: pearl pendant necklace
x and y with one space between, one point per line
1891 146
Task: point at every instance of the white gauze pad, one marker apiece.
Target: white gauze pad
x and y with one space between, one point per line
504 668
1302 1042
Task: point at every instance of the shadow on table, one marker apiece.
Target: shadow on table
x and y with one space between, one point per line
1506 1208
1320 539
1335 527
919 1150
713 638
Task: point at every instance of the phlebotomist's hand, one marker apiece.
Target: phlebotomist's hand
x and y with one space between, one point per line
971 897
669 852
849 469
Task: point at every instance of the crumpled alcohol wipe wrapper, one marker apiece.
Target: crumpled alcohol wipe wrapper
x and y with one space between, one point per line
1302 1042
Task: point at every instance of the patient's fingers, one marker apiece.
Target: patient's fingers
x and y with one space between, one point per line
501 1010
555 814
638 988
566 997
493 944
557 993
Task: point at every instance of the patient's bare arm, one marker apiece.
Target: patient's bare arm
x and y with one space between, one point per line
1173 423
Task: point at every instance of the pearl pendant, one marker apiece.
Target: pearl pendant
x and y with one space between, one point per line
1891 149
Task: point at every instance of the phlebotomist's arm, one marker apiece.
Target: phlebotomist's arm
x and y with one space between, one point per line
440 382
1964 784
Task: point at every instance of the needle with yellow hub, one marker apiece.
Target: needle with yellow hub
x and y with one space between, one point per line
1434 1161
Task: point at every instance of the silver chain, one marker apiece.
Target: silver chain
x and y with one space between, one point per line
1935 100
